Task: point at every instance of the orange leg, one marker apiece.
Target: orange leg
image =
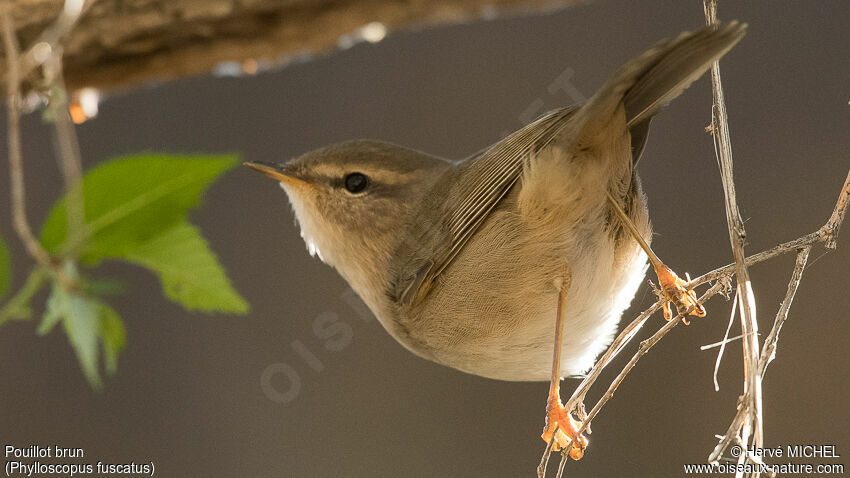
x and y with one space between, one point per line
560 425
672 287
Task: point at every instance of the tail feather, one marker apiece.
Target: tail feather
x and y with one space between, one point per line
665 72
653 79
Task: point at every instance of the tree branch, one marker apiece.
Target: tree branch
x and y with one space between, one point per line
737 238
16 168
768 352
722 277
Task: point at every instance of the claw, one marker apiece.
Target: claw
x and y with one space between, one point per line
673 289
561 427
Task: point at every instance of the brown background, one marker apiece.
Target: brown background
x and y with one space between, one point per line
188 393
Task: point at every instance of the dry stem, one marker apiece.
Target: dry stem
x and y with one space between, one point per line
47 51
768 352
47 44
67 145
16 167
737 237
825 235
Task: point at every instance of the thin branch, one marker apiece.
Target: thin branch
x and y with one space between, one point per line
732 432
645 346
768 352
16 168
830 229
44 48
723 344
827 234
737 238
619 343
747 422
561 465
722 276
17 307
784 248
67 145
544 460
642 350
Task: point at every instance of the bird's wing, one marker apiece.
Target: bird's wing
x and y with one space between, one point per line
642 86
482 181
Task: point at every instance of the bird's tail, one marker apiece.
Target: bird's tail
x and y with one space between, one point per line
651 80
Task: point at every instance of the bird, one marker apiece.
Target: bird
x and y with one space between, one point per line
517 262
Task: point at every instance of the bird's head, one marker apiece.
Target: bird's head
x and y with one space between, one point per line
352 200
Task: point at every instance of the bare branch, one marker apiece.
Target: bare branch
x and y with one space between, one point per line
722 276
732 432
723 343
619 343
544 460
67 145
645 346
737 237
561 465
16 168
823 235
827 234
768 352
830 229
44 48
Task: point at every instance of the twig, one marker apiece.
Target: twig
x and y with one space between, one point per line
769 351
561 465
731 433
784 248
722 275
44 48
769 348
17 307
619 343
830 229
747 422
645 346
544 460
16 168
67 145
737 238
642 350
723 343
827 234
46 51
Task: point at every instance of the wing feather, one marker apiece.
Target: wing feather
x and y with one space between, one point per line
484 180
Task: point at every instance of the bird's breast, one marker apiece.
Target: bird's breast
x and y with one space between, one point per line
492 311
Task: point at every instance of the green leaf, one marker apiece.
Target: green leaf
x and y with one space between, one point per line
55 309
189 270
5 268
136 210
130 200
82 326
104 287
113 336
87 322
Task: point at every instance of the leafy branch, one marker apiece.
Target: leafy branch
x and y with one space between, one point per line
132 209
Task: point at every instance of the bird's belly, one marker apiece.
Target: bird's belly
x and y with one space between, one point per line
500 321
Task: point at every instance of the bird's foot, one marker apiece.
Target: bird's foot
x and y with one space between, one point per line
674 291
561 427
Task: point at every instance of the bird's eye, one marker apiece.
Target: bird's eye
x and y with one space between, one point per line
356 182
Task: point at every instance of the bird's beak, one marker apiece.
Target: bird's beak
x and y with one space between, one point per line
279 173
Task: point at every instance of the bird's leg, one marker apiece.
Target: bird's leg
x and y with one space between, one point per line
672 287
560 424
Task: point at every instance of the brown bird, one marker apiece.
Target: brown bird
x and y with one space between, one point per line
473 263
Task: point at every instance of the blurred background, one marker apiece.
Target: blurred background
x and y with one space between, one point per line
263 395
